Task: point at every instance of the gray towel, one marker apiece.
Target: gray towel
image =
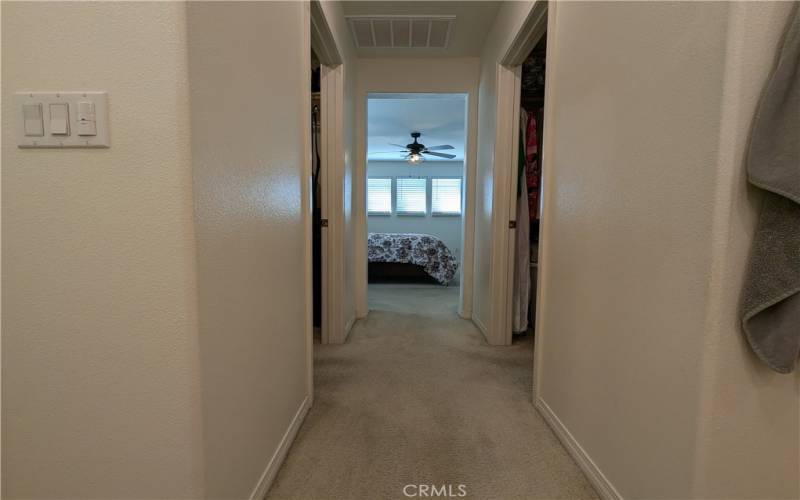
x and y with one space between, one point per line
771 298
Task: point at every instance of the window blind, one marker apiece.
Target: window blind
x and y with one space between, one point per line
412 196
445 196
379 196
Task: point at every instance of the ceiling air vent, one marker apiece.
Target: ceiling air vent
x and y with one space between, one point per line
401 31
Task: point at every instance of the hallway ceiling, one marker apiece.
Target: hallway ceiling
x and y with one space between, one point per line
472 23
392 117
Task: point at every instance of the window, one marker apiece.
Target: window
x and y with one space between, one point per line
412 196
379 196
445 196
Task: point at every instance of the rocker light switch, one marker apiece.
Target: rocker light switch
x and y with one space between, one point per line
59 119
32 115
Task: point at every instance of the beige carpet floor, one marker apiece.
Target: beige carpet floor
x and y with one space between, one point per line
417 397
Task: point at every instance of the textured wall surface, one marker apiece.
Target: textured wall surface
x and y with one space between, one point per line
249 141
100 375
648 226
749 437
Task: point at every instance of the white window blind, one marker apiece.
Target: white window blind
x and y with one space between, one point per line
379 196
412 196
445 196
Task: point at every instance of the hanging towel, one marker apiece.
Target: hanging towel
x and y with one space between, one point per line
522 272
771 296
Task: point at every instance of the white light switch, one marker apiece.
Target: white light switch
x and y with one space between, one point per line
59 119
32 115
62 119
87 121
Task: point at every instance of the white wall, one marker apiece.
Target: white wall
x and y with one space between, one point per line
251 213
748 411
402 76
446 228
509 18
154 328
101 394
646 229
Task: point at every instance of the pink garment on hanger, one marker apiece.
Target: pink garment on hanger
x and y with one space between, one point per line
532 171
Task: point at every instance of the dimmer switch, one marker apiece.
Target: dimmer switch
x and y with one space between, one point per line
87 121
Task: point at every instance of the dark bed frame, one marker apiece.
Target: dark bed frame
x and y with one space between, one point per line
395 272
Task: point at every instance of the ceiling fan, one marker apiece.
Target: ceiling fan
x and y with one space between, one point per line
415 150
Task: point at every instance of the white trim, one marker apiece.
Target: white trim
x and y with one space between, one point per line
529 34
349 326
545 202
322 40
468 213
503 204
332 153
469 189
601 483
477 322
307 206
333 249
513 181
276 461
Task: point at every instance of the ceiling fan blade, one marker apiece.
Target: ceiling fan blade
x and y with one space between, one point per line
397 145
440 148
440 155
386 152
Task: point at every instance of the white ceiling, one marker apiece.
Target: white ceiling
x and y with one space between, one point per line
392 117
473 20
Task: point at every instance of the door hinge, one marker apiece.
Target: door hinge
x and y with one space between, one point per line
323 222
512 224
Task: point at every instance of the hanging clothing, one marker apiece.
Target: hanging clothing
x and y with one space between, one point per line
522 275
533 172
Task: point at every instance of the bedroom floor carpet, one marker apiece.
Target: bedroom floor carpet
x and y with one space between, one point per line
417 397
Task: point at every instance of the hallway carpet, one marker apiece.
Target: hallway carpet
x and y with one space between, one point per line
417 397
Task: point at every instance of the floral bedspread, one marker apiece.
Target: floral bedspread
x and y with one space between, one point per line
408 248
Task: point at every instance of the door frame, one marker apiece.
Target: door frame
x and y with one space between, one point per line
506 150
540 22
331 176
468 212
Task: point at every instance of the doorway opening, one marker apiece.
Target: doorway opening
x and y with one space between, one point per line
529 191
316 195
416 185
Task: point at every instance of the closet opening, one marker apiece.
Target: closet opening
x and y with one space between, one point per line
316 196
416 176
529 190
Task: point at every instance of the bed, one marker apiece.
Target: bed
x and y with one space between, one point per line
423 250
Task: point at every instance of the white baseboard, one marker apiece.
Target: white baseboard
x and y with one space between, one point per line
349 326
477 321
600 482
268 476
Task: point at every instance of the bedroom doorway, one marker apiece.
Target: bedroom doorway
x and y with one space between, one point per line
416 199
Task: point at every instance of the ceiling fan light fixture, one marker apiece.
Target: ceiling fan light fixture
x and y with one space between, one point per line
415 159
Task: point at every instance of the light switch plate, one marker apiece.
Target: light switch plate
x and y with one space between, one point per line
73 140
